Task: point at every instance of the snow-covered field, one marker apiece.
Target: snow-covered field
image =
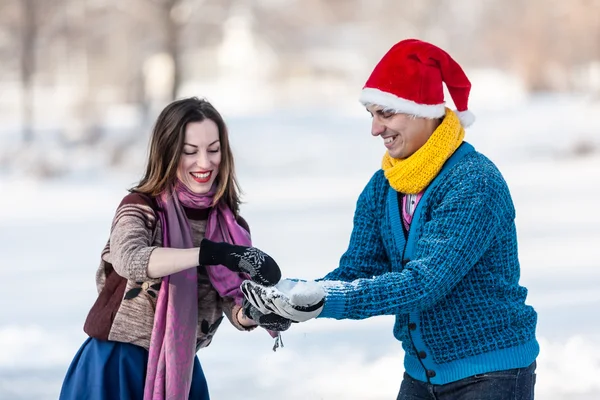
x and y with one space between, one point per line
301 175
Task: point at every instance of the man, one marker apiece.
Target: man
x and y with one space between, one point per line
434 243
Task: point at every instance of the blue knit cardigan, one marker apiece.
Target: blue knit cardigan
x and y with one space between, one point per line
453 283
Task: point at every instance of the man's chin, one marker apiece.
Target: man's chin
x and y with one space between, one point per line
398 155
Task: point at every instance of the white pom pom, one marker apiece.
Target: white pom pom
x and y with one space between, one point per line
466 118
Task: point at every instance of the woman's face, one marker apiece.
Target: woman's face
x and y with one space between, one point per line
199 163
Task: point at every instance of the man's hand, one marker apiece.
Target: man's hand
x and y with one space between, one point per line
295 300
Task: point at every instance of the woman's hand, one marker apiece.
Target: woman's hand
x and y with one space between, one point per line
257 264
269 321
245 321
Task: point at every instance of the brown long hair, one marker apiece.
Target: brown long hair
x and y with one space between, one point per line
166 146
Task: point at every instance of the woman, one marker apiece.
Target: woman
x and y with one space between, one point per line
177 254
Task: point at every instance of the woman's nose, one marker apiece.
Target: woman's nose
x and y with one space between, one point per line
202 160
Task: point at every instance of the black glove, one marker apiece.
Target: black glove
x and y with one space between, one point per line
271 322
258 265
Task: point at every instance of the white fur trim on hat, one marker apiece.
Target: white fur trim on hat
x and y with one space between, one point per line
466 118
398 104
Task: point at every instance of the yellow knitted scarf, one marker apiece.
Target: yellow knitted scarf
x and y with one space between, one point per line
413 174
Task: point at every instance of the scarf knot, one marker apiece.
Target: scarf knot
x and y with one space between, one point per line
190 199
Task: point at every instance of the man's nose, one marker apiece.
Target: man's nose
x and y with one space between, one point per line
377 128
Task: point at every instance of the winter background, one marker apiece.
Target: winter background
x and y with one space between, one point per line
81 82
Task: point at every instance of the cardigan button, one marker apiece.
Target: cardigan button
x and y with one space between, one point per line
422 354
431 373
412 326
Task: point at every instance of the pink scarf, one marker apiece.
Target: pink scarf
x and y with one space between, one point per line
173 342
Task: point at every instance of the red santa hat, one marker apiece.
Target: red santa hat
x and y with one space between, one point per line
409 77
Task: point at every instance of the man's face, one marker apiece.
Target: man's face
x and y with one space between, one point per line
402 134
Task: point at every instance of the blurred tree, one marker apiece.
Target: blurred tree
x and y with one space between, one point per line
9 31
542 41
173 15
29 31
98 48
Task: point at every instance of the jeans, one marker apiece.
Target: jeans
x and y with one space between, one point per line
512 384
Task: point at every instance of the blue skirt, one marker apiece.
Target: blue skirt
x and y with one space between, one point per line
116 371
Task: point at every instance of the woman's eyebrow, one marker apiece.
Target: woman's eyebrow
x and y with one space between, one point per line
193 145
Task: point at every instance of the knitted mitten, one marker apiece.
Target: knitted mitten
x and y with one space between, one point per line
295 300
271 322
258 265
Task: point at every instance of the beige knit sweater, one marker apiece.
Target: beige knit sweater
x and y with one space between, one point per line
124 309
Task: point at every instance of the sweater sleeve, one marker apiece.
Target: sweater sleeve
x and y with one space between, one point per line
365 256
131 238
459 232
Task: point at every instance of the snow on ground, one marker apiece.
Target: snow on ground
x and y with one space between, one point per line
302 174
